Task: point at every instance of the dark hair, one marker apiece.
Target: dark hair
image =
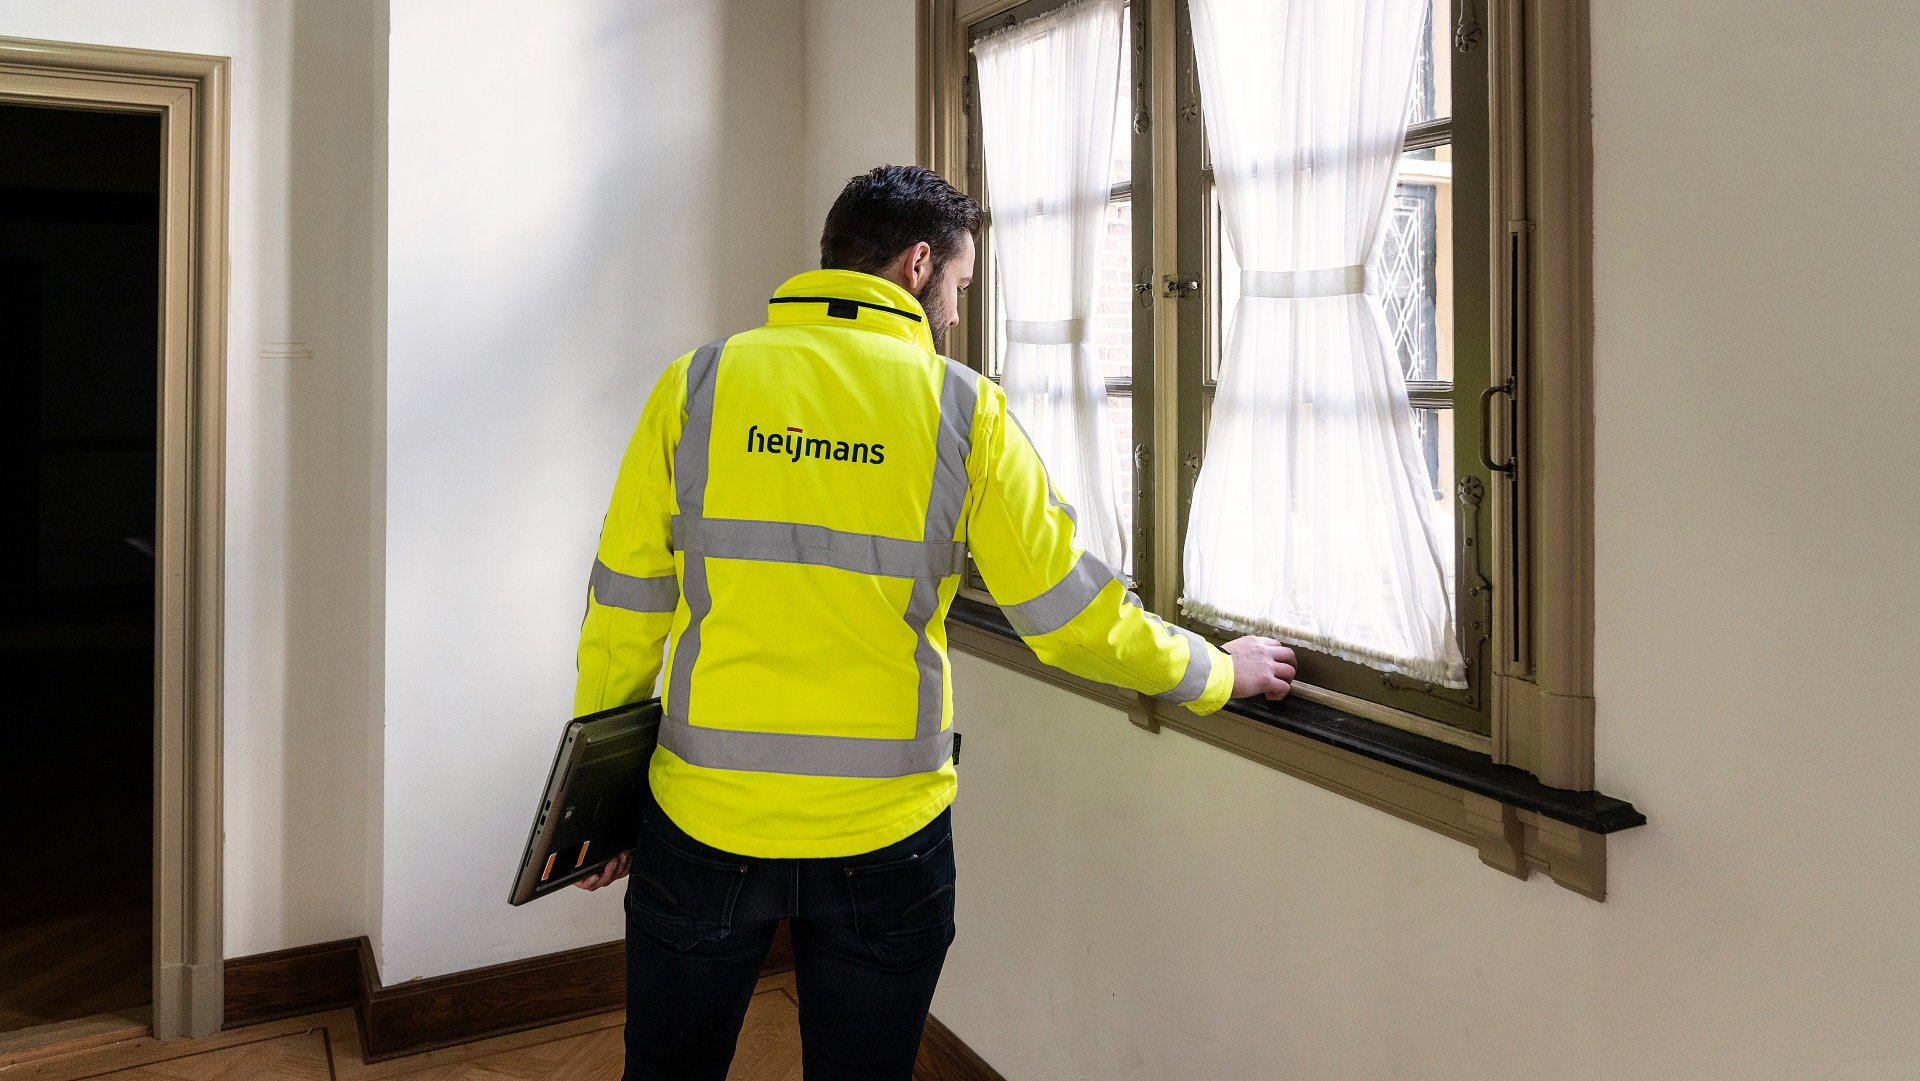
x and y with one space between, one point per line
881 213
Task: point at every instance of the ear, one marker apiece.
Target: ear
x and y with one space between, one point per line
919 259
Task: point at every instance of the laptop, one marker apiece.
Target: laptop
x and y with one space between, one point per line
590 809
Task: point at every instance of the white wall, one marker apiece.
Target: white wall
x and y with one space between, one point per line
860 76
576 198
301 616
1145 907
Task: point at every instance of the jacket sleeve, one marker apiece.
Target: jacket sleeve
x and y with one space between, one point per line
1074 611
634 588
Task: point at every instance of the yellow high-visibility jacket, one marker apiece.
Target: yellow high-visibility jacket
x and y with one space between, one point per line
795 510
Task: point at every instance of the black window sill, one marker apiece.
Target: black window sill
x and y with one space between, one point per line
1419 755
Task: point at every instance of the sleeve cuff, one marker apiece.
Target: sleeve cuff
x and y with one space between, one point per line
1219 684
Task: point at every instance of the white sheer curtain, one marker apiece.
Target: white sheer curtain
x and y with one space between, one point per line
1048 87
1309 520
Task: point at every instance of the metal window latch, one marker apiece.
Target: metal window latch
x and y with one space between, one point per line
1182 288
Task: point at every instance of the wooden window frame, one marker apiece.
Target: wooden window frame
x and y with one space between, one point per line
1540 539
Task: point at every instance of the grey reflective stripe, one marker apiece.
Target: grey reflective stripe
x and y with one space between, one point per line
794 542
813 756
690 491
959 391
1193 683
616 590
946 498
1063 600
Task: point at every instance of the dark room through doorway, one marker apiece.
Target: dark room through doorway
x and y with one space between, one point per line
80 231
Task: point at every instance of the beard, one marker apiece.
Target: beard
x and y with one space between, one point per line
932 301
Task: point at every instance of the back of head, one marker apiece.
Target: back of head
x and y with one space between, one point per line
881 213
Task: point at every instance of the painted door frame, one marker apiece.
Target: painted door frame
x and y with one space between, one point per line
189 94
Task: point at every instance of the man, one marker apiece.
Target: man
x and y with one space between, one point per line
795 508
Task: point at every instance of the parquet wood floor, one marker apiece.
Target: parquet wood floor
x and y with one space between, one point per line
326 1047
90 959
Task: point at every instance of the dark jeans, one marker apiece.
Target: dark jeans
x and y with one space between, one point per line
870 933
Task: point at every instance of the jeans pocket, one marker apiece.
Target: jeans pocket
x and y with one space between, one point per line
903 908
678 898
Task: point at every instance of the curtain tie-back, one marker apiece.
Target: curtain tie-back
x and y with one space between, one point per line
1333 281
1046 331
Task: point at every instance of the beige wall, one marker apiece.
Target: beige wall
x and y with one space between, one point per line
641 185
1147 907
860 92
577 197
302 510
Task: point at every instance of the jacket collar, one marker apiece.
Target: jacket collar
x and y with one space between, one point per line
850 298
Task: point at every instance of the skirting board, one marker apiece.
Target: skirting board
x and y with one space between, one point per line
287 983
421 1015
443 1011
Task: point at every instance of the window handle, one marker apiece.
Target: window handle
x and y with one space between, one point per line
1182 287
1486 428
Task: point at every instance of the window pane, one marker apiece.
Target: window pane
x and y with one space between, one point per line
1120 411
1223 291
1113 338
1416 265
1432 86
1434 427
996 359
1113 305
1123 111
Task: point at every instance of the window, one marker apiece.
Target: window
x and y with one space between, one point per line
1432 286
1112 327
1482 278
1418 296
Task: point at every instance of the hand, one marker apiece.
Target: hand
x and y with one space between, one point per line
1260 666
615 868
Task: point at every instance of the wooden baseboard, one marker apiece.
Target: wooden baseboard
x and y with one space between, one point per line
421 1015
286 983
943 1057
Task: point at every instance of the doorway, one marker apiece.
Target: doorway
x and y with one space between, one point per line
112 598
80 355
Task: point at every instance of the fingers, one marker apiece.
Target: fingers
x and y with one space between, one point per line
614 868
1262 666
1280 682
1284 668
1283 671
